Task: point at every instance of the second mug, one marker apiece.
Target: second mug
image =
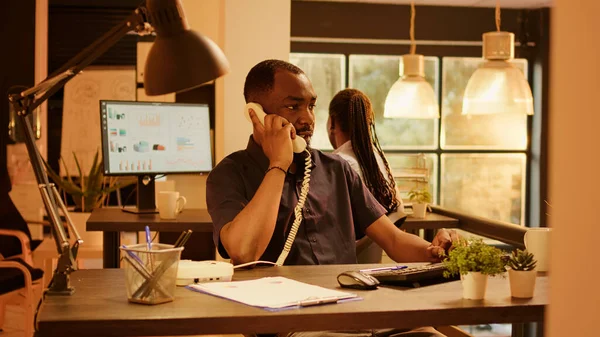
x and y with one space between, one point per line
170 204
537 243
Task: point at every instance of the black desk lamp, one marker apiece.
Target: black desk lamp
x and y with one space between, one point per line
179 59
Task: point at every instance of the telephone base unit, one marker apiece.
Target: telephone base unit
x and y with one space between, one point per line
190 272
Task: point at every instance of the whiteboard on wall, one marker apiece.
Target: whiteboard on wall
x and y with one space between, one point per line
81 111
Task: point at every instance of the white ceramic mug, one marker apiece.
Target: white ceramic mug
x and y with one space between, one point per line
170 204
537 242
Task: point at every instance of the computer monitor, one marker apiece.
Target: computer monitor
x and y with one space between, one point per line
150 138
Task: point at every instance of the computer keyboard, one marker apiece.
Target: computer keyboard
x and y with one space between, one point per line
413 276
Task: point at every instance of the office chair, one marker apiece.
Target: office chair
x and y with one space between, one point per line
20 283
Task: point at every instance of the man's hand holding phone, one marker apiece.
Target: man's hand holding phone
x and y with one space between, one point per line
275 138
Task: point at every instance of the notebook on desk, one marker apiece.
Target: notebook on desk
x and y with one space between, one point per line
273 293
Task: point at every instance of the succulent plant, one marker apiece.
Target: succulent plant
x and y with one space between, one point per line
90 190
521 260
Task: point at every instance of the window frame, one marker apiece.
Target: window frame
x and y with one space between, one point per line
440 51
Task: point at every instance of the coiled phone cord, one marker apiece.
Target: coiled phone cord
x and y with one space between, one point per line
297 211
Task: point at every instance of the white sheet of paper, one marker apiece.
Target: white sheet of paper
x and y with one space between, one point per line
270 292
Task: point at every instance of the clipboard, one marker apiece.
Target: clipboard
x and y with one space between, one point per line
274 293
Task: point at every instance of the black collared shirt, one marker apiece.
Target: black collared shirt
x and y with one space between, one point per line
337 211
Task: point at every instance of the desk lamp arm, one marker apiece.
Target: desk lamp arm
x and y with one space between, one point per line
26 102
41 92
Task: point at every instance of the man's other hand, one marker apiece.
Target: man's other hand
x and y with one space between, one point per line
442 244
435 253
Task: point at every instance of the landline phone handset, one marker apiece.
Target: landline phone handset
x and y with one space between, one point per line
299 146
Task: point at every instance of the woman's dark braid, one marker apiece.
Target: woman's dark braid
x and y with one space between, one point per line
352 111
391 182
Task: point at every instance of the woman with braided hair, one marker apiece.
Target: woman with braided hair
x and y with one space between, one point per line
351 130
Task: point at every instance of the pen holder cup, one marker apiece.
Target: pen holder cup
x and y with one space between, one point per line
151 275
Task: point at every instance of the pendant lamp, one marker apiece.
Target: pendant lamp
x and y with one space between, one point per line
497 86
411 96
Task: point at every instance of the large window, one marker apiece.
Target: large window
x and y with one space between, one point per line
475 164
374 75
483 158
482 132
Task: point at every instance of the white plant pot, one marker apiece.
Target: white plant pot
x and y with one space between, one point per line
474 285
522 283
419 210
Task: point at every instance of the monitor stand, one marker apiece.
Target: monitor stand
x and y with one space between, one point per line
145 196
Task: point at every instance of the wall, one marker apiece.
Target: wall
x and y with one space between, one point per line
251 36
356 20
245 40
25 65
41 62
17 67
573 169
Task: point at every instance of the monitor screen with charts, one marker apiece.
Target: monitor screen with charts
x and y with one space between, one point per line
141 138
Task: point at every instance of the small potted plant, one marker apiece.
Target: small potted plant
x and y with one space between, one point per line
88 191
521 274
474 261
420 198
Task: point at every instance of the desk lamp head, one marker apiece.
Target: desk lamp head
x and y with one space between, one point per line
180 59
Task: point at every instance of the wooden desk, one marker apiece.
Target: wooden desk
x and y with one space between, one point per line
111 221
431 221
99 307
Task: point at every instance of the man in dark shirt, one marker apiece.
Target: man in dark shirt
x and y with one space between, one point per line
251 194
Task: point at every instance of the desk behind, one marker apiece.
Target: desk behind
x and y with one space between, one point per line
99 307
431 221
112 220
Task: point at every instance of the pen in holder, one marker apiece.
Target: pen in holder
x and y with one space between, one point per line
151 275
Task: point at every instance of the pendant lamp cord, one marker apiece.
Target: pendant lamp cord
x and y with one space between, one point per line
413 45
498 15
